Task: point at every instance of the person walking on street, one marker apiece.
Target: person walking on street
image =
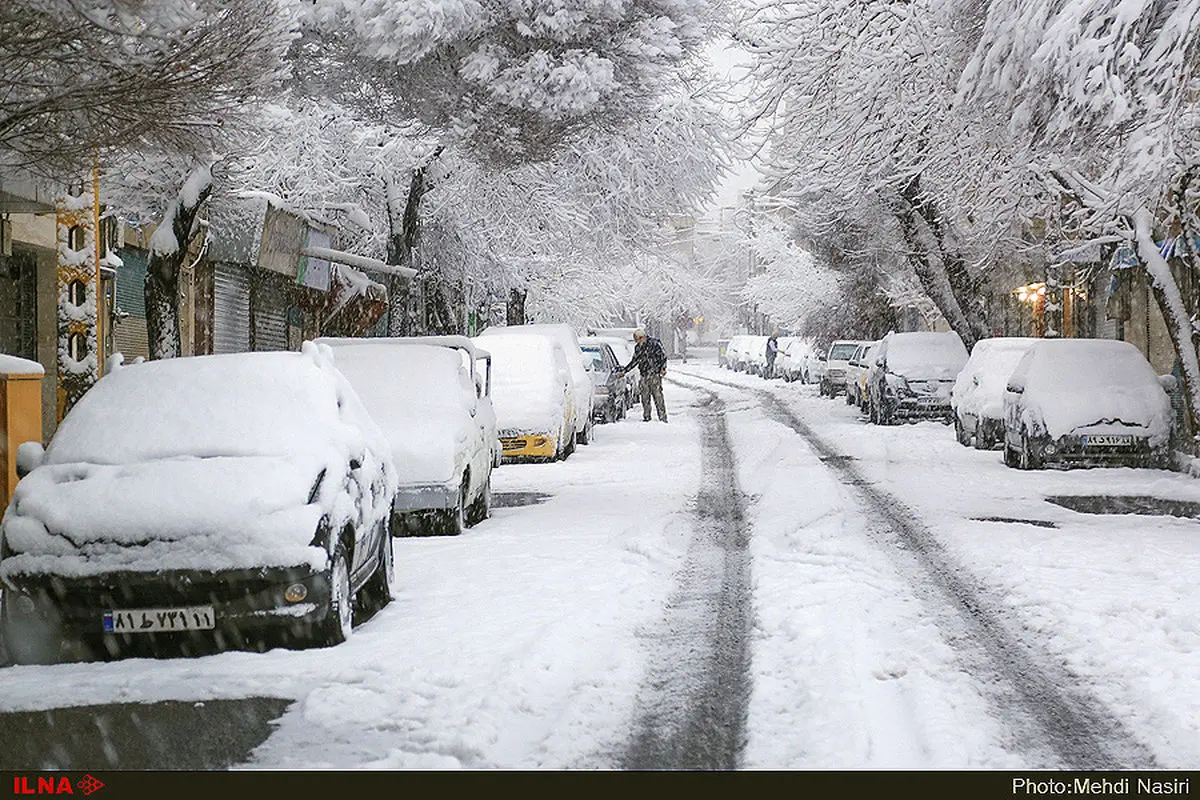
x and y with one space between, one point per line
650 359
772 351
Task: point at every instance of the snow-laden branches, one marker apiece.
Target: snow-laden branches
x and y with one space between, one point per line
513 80
89 78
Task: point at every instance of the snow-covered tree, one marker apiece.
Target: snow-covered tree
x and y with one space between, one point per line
1101 99
512 80
84 79
854 93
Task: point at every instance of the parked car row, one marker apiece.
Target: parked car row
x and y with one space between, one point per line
1086 402
253 498
748 353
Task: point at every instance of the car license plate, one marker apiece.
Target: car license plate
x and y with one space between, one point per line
929 401
159 620
1106 440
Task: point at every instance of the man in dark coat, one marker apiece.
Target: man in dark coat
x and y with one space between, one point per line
650 359
772 353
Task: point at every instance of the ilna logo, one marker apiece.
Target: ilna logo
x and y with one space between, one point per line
54 784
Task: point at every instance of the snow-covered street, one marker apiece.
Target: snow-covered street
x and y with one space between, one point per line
972 625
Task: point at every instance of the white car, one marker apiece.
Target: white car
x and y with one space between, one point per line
533 396
1086 402
581 381
431 396
977 398
833 378
789 364
188 502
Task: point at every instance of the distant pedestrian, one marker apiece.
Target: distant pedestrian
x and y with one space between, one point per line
650 359
772 351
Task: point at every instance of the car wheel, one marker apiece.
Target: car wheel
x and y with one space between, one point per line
960 433
481 509
621 409
339 620
849 398
585 435
377 592
29 638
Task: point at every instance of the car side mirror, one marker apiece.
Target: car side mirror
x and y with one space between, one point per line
1169 383
355 464
1015 388
29 457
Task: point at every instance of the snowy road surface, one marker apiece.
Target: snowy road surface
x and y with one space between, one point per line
766 582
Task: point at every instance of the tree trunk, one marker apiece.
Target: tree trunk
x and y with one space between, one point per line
1184 336
162 272
516 307
403 319
942 270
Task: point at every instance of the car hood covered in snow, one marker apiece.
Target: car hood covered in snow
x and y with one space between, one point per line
179 513
1092 386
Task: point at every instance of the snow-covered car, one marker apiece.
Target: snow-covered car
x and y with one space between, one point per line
608 402
431 397
789 364
533 396
913 375
812 367
977 398
581 382
187 501
833 379
737 352
1087 402
755 350
856 374
622 350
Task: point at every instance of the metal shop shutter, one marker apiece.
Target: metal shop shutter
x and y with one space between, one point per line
231 309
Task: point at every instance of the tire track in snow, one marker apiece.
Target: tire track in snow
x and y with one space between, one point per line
1040 697
694 699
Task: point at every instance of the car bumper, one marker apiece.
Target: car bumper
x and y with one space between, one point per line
425 497
537 445
1072 451
240 600
918 408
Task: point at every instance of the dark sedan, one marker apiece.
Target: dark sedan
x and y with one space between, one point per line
207 499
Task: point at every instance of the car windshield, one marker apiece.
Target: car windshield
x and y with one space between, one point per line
842 352
248 404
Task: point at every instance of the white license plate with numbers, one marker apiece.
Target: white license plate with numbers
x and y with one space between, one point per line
1107 440
159 620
